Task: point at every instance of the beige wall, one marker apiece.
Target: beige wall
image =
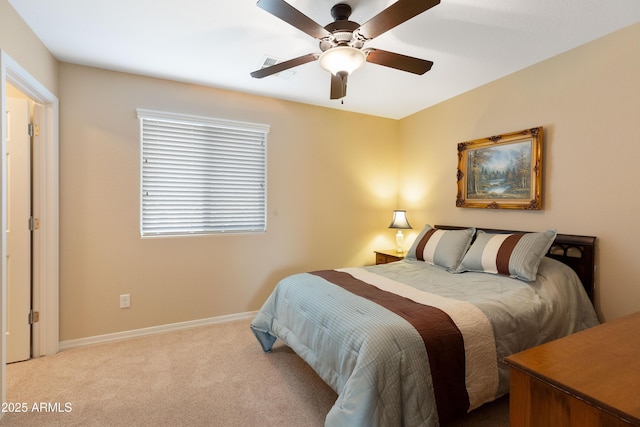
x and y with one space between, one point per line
332 186
588 100
333 181
20 42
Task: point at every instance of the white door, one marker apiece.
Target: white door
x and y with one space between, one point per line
18 234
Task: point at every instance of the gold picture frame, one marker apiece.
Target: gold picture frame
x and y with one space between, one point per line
501 172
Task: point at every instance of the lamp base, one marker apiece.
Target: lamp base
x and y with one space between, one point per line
399 242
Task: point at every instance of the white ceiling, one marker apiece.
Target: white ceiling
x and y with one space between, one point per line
219 42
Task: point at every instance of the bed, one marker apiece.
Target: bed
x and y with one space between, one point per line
420 341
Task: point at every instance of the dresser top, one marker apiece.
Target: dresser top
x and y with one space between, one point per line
600 365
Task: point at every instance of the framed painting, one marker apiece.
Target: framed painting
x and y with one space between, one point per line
501 172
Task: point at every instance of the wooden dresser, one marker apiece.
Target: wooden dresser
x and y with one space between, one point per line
591 378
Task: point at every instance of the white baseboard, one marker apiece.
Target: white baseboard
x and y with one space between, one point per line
117 336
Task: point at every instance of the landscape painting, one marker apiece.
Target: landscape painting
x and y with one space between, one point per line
501 171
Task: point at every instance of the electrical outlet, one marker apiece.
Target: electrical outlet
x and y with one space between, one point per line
125 301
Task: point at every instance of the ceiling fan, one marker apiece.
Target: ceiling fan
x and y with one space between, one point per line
342 41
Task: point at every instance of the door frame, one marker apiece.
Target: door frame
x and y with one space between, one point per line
45 333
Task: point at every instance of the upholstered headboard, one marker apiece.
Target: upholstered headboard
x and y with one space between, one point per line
578 252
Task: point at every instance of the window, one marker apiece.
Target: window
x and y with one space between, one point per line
201 175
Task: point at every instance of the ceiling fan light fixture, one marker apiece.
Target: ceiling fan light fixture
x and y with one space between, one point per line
342 58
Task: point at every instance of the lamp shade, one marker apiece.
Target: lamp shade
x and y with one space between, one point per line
400 220
342 58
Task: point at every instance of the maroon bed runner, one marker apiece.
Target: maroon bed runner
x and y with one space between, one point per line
442 339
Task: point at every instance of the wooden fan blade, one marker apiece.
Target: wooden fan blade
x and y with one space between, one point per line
285 65
394 15
292 16
338 85
398 61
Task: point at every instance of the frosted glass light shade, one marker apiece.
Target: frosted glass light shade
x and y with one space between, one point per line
342 58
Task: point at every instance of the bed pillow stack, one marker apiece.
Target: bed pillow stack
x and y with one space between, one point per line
516 255
442 248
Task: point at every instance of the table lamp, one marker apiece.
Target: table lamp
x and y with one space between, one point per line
400 222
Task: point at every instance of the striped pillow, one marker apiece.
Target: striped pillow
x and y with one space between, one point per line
516 255
442 248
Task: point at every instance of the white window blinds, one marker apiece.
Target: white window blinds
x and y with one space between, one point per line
201 175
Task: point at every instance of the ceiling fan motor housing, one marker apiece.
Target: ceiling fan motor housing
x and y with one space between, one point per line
342 30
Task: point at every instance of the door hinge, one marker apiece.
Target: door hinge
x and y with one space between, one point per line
34 317
34 130
34 223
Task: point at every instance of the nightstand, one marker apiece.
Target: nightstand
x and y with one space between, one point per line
388 255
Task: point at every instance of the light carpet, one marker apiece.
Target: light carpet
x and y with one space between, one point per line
206 376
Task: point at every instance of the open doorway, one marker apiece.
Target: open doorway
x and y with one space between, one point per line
44 298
